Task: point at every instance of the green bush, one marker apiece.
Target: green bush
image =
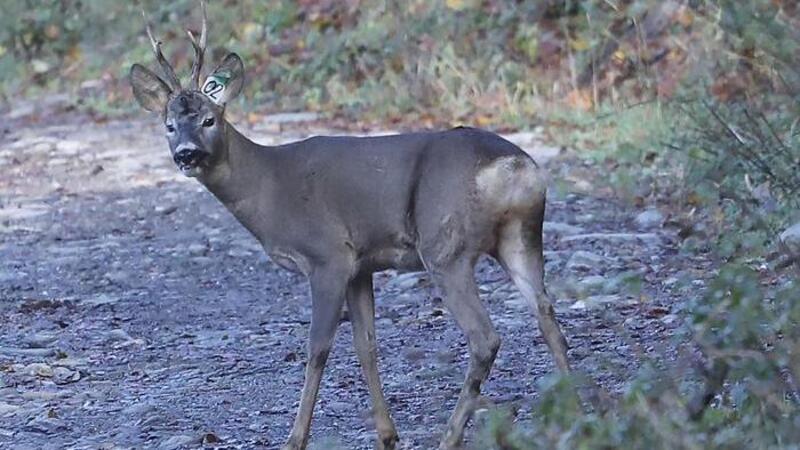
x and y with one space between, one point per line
744 395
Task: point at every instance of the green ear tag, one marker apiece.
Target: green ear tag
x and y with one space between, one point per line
214 87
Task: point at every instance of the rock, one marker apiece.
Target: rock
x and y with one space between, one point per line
339 407
404 281
671 281
599 300
647 238
211 438
197 249
592 283
22 110
39 370
42 396
118 335
516 302
669 319
240 253
790 239
7 410
562 229
62 375
585 261
101 299
24 211
71 363
179 441
595 301
40 340
70 148
580 304
165 209
652 218
46 423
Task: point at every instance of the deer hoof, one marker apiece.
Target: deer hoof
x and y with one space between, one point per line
387 442
292 444
450 446
451 441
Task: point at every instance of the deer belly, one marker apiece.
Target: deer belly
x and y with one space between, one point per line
400 258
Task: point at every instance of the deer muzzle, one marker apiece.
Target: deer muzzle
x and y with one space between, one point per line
188 159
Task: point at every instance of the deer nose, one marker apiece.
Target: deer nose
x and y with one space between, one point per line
186 154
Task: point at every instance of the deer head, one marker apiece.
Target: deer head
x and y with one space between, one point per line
193 116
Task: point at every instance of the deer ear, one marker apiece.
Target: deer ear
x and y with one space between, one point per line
150 91
226 81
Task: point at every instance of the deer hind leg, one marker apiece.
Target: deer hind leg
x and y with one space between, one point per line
361 304
460 293
520 251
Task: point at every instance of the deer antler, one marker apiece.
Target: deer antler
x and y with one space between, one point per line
199 46
172 79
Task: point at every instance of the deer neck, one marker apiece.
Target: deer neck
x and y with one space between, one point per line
242 178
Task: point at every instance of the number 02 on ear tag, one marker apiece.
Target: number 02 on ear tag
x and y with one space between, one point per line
214 88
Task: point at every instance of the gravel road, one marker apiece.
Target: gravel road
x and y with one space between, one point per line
135 312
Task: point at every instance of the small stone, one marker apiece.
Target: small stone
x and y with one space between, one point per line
71 363
670 281
62 375
413 354
40 340
599 300
592 283
561 229
165 210
39 369
46 423
70 148
339 407
580 304
41 396
197 249
22 110
584 261
118 335
595 301
669 319
211 438
646 238
101 299
404 281
7 410
179 441
790 239
652 218
240 253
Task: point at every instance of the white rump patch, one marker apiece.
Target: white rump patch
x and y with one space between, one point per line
512 182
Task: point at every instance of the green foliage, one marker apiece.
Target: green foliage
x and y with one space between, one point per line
491 62
755 402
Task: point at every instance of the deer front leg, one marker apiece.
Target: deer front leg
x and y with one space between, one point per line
328 288
361 305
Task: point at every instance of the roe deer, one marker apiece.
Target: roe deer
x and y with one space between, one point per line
338 209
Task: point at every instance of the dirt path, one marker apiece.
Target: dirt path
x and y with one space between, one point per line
136 313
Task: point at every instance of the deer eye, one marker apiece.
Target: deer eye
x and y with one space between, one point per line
170 128
209 122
